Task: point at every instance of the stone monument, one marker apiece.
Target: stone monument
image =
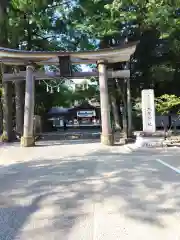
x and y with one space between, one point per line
148 137
148 111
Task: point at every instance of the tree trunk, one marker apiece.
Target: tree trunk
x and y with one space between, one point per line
7 111
124 119
20 95
115 112
1 116
6 108
7 90
1 105
121 90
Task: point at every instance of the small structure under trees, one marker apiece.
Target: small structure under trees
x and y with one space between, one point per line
84 112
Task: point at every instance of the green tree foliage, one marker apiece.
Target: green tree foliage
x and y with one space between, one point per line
91 24
67 97
166 103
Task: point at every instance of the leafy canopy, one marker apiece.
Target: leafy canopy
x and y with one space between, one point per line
167 103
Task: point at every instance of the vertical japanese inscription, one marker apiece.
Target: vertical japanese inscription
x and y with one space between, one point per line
148 110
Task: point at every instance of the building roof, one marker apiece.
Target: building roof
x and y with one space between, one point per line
83 106
58 110
112 55
63 111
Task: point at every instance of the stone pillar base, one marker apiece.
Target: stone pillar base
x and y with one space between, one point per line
27 141
107 139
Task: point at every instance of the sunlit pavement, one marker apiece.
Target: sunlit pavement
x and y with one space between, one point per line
88 191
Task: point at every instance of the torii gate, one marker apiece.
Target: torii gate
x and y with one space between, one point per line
64 60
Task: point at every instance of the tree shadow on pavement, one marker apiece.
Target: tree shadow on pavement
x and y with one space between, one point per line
13 216
50 197
144 189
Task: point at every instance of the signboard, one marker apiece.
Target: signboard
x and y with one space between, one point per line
148 111
65 66
84 114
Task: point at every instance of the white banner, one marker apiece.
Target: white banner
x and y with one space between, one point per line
84 114
148 111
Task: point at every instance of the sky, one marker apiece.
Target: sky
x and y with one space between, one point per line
85 68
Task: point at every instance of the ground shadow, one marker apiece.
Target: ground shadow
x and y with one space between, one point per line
70 186
66 142
13 216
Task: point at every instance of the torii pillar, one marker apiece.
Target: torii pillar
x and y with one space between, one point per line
28 139
107 137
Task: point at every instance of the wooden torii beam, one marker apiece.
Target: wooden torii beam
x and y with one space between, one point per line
111 55
40 75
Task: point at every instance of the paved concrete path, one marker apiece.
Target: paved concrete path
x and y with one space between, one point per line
89 192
